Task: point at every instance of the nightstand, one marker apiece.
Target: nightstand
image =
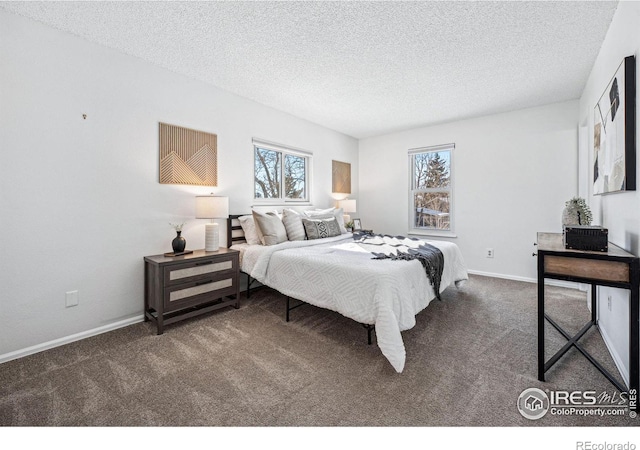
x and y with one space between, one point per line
176 288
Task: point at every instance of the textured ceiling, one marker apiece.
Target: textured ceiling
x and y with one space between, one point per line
362 68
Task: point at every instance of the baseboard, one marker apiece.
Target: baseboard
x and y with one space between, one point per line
558 283
615 355
500 275
69 339
123 323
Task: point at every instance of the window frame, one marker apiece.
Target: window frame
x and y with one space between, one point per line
283 150
450 190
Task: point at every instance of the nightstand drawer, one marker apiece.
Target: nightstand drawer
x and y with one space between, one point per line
185 273
184 295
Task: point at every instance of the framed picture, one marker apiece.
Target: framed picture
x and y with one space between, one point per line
614 133
188 156
340 177
357 225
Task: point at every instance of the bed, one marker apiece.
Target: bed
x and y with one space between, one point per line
340 273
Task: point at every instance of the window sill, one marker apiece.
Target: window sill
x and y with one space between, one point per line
433 233
281 204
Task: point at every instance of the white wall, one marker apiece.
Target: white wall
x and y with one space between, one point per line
619 212
80 202
513 172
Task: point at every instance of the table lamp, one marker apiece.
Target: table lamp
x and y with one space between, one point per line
212 207
348 206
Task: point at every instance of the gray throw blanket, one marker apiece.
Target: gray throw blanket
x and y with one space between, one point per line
430 257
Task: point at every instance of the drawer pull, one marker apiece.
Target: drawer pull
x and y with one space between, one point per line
204 263
204 282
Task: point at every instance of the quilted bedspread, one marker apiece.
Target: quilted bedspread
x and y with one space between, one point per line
340 274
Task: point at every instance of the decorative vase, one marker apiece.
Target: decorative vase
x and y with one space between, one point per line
178 243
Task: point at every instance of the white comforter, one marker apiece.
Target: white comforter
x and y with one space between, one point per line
339 274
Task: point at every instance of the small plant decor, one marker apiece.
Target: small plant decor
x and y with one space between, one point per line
178 226
576 212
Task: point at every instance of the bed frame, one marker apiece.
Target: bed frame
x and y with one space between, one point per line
235 235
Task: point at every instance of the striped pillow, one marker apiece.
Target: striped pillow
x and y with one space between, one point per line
293 224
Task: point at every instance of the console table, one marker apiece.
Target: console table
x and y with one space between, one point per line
615 268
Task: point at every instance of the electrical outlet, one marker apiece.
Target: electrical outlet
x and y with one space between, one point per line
71 299
609 302
489 253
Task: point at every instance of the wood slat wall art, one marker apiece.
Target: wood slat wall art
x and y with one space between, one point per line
341 177
188 156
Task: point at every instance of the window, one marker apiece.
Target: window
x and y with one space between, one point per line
430 193
281 174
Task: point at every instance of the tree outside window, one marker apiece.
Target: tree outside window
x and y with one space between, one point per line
280 175
267 173
295 177
430 196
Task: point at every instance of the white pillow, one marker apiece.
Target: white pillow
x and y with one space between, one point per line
318 212
339 213
249 228
293 224
270 228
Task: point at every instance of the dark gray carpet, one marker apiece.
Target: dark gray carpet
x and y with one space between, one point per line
468 359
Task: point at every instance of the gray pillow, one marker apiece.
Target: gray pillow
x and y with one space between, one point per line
321 228
293 224
326 213
270 228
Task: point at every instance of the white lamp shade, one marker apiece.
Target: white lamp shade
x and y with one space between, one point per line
210 207
348 206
